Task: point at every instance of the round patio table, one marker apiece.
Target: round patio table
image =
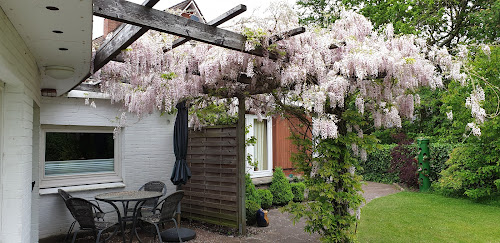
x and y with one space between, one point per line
125 197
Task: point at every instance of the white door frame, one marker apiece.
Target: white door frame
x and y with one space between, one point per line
250 149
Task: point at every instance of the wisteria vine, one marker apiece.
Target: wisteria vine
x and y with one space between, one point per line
315 71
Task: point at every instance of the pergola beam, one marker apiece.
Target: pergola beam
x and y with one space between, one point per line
125 35
141 18
216 22
146 17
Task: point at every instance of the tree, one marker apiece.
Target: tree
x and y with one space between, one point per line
337 81
442 22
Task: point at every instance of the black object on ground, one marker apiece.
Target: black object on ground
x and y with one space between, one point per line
170 235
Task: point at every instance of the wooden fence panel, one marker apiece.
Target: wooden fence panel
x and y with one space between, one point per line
212 192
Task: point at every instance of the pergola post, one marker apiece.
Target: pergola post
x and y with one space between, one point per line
241 165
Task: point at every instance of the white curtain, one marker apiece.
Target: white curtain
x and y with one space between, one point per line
260 133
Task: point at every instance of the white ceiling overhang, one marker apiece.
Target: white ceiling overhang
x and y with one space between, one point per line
58 34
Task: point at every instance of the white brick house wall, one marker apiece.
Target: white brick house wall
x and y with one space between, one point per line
146 153
19 72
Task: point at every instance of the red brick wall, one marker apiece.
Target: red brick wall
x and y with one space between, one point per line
110 26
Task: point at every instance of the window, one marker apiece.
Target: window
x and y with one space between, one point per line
76 155
260 152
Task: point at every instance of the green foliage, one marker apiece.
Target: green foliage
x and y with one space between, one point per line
427 217
378 165
169 75
318 12
439 154
473 171
254 36
475 20
266 198
251 141
298 189
333 187
252 202
250 191
251 208
280 188
215 114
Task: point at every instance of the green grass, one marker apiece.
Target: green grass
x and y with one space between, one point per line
425 217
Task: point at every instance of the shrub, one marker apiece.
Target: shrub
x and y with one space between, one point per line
280 188
251 208
298 191
266 198
250 191
473 171
403 161
252 202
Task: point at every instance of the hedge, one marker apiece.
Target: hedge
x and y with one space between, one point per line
377 166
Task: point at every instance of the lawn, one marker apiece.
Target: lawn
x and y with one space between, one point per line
425 217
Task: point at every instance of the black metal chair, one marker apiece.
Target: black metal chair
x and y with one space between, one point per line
154 186
98 215
65 196
167 213
83 212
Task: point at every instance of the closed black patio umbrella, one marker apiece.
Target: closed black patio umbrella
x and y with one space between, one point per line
181 172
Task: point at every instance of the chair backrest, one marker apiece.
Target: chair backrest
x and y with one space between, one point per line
155 186
169 205
64 194
83 212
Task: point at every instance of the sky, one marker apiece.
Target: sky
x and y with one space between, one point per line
209 8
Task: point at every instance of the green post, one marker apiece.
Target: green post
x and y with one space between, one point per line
424 166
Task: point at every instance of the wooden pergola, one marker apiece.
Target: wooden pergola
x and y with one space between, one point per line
139 19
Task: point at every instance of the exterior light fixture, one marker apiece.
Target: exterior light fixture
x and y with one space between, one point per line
49 92
59 72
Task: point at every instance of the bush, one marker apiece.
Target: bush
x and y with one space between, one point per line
298 191
251 208
266 198
252 202
472 171
280 188
250 191
403 161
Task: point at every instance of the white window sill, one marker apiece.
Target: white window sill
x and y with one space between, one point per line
48 191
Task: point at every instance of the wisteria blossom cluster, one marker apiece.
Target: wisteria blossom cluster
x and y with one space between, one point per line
316 71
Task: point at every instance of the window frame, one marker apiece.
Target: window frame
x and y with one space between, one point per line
83 179
250 150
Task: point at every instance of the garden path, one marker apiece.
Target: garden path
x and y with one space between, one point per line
282 229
